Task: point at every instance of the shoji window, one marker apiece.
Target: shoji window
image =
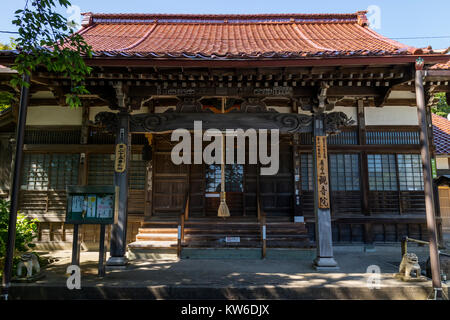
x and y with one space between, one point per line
101 169
306 172
137 172
49 171
234 174
382 172
63 170
344 172
384 169
410 172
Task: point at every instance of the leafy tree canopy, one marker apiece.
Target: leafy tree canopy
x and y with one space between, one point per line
45 39
441 108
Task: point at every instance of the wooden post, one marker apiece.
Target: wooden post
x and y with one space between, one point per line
119 229
263 236
76 245
364 174
179 236
102 252
428 179
297 182
15 187
12 145
148 198
324 243
182 226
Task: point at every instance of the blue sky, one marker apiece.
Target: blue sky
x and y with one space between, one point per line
399 19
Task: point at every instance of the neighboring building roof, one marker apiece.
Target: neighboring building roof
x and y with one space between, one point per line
441 66
260 36
441 134
4 69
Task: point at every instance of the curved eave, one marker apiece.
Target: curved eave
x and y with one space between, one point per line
263 62
117 59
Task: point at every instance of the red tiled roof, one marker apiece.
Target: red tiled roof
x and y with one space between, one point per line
441 134
441 66
236 36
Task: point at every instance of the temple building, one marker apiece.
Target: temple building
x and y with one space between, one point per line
343 97
441 137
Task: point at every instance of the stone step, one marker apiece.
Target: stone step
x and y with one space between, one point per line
153 245
156 237
158 230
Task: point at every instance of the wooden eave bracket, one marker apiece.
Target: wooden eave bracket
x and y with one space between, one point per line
382 99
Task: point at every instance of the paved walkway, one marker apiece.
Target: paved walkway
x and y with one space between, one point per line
234 279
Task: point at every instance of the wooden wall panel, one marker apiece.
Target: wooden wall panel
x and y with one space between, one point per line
384 202
136 201
5 167
345 203
444 201
277 191
170 181
197 199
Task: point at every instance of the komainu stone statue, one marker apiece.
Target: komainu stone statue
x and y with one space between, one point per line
410 263
30 262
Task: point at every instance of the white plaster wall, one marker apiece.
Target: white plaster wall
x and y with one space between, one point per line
402 95
163 109
391 115
351 112
54 115
94 110
442 163
280 109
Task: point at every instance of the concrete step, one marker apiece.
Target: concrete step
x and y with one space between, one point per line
158 230
156 237
153 245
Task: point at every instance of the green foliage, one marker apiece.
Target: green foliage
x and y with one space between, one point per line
441 108
5 100
26 230
10 46
45 39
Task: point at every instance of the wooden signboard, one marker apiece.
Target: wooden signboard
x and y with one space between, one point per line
322 172
121 157
90 205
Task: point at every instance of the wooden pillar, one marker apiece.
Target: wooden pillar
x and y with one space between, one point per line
15 187
83 166
428 179
364 174
119 229
149 177
324 242
12 145
297 182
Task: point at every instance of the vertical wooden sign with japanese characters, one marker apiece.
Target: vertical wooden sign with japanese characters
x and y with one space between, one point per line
322 172
121 157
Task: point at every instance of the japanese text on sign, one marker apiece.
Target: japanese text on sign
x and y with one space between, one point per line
121 156
322 172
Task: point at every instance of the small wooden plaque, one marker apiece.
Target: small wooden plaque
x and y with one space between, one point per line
121 158
322 172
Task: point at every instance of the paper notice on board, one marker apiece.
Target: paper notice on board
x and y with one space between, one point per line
105 206
91 206
78 204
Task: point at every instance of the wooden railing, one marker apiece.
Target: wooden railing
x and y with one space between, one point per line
263 227
183 216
